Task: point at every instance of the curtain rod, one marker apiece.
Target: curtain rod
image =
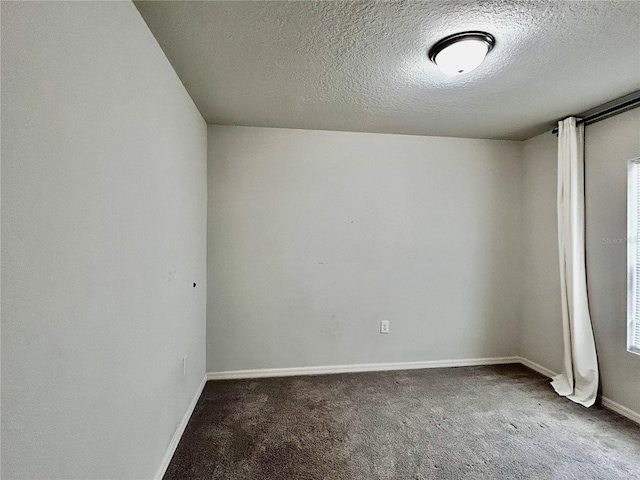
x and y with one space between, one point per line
610 109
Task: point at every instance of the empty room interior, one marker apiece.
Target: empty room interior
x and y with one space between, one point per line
311 240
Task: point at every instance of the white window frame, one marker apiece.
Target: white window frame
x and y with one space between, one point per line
633 272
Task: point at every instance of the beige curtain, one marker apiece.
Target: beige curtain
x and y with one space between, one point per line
579 380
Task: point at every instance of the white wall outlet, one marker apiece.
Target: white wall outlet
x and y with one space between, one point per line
184 366
384 326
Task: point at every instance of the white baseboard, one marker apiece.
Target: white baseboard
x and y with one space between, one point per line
537 367
364 367
621 409
380 367
173 444
604 401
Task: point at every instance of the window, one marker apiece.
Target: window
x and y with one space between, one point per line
633 256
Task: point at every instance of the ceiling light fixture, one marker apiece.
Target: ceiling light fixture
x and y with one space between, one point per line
461 52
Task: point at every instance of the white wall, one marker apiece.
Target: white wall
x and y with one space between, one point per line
609 145
104 197
315 237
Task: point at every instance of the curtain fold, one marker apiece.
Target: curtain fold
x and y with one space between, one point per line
579 380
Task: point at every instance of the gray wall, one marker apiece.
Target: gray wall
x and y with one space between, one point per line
609 145
315 237
103 235
541 339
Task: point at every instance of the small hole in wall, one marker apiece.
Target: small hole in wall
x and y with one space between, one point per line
194 285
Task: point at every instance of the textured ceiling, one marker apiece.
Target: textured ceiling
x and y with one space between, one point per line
362 66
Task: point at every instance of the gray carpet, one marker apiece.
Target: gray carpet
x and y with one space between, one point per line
502 422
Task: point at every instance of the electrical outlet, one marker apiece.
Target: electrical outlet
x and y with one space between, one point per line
384 326
184 366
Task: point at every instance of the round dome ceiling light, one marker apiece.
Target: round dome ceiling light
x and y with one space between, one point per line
461 52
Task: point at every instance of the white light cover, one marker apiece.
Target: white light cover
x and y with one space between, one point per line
462 56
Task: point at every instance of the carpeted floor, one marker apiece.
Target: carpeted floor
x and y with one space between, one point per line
502 422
